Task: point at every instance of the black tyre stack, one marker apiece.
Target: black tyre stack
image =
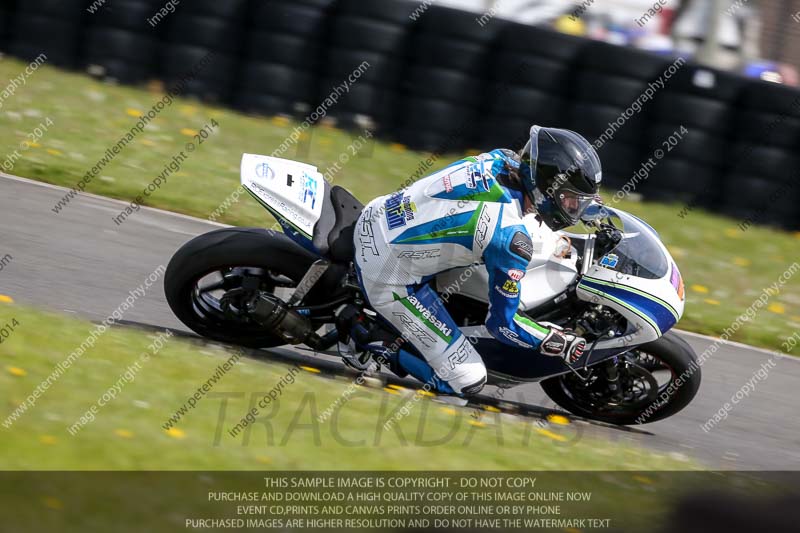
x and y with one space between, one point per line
283 48
367 41
762 179
530 74
121 45
608 108
445 80
203 45
50 27
702 101
6 18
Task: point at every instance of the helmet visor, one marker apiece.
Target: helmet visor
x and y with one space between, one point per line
572 203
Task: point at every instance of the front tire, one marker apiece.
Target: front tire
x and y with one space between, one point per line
209 266
649 400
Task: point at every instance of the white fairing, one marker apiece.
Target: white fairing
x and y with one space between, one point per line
293 190
548 273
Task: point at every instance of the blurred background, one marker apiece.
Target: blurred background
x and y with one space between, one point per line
452 75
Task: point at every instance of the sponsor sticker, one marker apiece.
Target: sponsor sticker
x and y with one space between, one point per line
510 289
263 170
448 183
399 210
610 261
308 191
516 274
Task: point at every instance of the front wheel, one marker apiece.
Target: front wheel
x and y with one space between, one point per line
209 277
653 381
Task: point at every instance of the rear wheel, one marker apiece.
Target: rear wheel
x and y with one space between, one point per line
656 380
209 278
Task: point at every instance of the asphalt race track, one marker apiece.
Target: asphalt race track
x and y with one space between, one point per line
80 262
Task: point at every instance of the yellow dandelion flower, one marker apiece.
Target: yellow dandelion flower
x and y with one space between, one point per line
47 439
776 308
16 371
6 299
52 503
711 301
133 112
124 433
189 132
741 261
700 288
53 151
176 433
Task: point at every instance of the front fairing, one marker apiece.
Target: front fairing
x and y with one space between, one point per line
639 279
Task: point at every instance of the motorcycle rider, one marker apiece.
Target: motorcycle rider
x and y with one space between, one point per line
471 213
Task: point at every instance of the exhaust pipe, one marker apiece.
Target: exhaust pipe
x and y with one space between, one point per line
270 312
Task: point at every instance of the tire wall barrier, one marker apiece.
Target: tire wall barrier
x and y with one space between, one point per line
444 80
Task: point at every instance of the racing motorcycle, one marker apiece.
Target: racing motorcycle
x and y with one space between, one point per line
615 284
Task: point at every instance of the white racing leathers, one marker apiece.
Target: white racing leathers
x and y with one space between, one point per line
457 217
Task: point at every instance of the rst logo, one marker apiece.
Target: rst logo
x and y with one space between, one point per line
482 228
420 254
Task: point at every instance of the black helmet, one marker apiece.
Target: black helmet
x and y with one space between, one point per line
561 174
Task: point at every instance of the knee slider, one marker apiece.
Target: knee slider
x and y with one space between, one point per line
475 388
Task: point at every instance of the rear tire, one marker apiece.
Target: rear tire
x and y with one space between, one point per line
218 251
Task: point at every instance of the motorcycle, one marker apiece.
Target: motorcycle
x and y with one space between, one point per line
615 284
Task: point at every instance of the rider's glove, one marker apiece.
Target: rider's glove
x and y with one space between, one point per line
563 343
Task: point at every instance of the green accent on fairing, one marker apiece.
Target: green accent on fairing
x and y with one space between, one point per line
623 304
465 230
530 323
276 214
417 313
636 291
471 159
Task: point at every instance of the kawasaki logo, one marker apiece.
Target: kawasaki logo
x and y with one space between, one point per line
430 317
